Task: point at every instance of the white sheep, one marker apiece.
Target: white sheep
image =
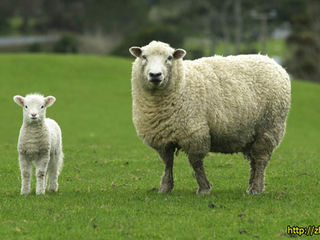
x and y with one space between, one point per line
40 143
214 104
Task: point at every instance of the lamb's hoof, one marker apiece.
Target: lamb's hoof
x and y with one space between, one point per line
165 188
53 188
205 191
25 192
40 192
253 190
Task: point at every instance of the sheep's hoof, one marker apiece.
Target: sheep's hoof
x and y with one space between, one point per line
253 190
165 189
205 191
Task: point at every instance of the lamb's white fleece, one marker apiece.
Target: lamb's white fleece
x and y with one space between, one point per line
40 142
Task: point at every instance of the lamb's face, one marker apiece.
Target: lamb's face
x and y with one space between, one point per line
156 61
34 106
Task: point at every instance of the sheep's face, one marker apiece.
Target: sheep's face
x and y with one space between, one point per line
156 61
34 106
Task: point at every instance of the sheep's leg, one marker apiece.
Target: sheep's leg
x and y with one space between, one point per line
26 174
256 182
196 161
259 157
252 171
41 171
167 183
53 173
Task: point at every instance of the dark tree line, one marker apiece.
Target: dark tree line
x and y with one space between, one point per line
209 17
237 23
304 43
74 15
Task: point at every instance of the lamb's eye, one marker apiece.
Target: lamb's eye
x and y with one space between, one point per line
170 58
42 106
144 57
26 106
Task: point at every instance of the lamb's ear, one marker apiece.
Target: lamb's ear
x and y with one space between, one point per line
135 51
49 100
19 100
179 53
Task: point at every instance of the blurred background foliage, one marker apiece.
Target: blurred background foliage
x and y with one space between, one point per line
288 30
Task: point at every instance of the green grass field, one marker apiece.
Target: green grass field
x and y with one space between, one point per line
108 187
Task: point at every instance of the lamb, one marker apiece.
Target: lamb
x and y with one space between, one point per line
212 104
40 142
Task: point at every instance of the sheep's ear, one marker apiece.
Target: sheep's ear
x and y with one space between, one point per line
179 53
135 51
49 100
19 100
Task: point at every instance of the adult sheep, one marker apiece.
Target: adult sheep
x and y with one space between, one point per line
214 104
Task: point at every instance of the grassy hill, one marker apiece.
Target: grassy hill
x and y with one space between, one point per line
109 181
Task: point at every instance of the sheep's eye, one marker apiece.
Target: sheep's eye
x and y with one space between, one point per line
170 58
26 106
42 106
144 57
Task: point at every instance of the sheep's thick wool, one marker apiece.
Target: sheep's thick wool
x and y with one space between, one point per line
214 104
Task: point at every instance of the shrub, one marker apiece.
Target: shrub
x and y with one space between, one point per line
35 47
195 53
67 44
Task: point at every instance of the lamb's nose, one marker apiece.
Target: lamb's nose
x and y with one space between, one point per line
33 114
153 75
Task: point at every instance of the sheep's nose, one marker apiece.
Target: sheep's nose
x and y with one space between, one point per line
154 75
33 114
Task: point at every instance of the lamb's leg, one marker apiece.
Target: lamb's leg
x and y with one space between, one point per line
26 174
53 173
167 156
41 171
196 161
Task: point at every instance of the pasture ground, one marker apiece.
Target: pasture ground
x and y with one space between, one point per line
108 186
